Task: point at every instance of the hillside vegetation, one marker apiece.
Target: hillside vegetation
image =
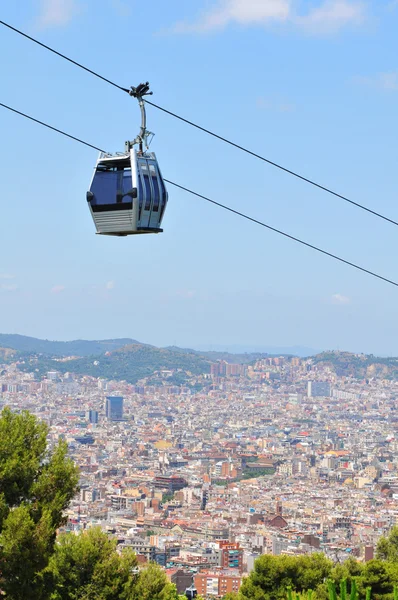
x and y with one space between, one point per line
24 343
360 366
130 363
7 354
244 358
129 360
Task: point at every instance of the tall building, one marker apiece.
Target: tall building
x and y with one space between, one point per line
234 370
318 389
231 555
114 408
218 369
205 497
223 369
92 416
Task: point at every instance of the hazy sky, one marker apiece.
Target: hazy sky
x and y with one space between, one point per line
312 84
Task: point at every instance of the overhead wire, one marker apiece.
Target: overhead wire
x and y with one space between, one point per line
274 164
72 137
74 62
287 235
212 133
219 204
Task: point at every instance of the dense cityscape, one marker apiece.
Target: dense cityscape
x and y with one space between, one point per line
281 456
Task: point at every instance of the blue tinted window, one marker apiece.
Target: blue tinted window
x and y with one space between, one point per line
111 183
140 192
144 170
156 193
164 197
104 187
147 192
127 184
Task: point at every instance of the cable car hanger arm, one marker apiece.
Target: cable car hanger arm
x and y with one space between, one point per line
139 92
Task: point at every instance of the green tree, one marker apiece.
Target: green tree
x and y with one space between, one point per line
87 567
167 497
36 486
377 577
273 575
152 584
387 547
348 571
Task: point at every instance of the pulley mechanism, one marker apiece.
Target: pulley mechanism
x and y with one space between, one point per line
142 138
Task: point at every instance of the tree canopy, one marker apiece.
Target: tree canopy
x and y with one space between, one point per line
387 547
36 486
273 575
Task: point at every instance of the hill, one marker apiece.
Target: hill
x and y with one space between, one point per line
128 360
130 363
118 359
82 348
243 358
360 366
25 343
7 354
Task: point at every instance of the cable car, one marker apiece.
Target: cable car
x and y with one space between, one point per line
127 194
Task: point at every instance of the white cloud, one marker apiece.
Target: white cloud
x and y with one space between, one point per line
56 13
121 8
340 299
383 81
8 287
186 294
328 16
110 285
332 15
276 105
244 12
7 276
57 289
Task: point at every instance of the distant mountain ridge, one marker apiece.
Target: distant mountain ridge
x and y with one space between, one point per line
214 356
83 348
132 361
24 343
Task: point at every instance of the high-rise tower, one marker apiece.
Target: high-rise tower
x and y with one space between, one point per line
114 408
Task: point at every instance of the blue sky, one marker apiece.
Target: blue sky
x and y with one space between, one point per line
312 84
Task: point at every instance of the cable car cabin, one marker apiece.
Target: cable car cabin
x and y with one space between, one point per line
127 194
